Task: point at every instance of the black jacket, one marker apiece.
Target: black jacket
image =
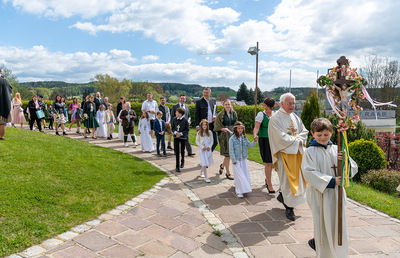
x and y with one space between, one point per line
183 128
201 110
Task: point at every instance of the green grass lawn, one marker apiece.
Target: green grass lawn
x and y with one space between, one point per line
50 184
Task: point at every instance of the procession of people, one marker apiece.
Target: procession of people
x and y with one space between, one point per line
281 136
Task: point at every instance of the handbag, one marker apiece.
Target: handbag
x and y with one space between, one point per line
21 109
40 114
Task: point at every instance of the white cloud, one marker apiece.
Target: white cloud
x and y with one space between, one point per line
219 59
182 22
38 63
68 8
150 58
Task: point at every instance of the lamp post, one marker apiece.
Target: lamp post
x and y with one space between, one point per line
254 51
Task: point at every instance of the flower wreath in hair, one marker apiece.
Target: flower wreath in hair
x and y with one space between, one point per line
237 125
201 128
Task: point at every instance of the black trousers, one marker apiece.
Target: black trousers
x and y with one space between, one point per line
215 143
32 121
51 121
179 148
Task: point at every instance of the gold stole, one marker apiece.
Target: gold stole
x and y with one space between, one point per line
292 163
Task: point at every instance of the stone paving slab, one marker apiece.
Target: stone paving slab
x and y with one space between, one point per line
177 218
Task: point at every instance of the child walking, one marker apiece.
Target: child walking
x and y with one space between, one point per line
146 142
322 191
110 120
159 130
100 115
77 117
50 116
238 144
180 128
128 117
205 140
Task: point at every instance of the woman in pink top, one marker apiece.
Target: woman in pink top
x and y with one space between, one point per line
71 109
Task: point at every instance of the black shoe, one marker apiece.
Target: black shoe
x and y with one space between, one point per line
191 154
159 155
221 169
165 154
311 243
57 133
64 133
290 214
229 176
182 165
266 185
108 138
177 170
1 139
169 147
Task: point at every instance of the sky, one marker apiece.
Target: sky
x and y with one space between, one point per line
194 41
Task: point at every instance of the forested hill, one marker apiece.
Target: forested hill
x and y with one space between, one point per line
193 89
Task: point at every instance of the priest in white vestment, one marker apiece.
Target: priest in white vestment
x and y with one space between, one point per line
319 163
288 136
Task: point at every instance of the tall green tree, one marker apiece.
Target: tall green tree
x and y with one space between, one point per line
251 97
139 91
260 96
310 110
242 93
111 87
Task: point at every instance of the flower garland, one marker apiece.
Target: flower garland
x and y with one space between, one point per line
354 88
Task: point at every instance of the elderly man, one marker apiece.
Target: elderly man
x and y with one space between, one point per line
206 109
5 105
288 137
106 103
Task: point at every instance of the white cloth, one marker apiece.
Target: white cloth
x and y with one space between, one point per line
242 176
285 132
317 167
146 142
206 158
121 130
150 106
102 130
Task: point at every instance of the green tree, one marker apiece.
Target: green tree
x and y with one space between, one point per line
139 91
251 97
310 111
12 79
242 93
112 88
260 96
223 96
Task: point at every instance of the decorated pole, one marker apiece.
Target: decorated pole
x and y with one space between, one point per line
340 83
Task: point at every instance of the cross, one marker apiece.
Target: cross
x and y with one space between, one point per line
335 169
178 127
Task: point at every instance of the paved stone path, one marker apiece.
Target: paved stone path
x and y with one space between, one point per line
177 218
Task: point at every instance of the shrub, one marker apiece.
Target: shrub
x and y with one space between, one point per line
384 180
368 156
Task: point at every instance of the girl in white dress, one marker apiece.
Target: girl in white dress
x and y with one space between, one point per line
204 140
144 130
102 130
238 144
120 129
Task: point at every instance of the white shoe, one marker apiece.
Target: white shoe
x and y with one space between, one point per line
239 195
126 144
209 181
134 146
202 175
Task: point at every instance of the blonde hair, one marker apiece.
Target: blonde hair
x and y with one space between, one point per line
17 96
202 131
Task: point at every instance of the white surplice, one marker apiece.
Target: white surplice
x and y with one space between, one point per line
121 130
102 130
285 132
317 168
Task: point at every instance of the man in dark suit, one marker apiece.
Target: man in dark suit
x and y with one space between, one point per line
206 109
181 104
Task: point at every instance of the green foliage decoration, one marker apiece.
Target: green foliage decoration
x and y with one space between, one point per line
384 180
368 156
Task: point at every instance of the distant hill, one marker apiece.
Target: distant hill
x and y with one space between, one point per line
193 90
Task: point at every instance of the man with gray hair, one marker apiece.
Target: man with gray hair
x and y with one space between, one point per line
288 136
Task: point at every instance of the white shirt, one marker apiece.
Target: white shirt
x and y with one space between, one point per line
210 112
182 106
260 116
150 106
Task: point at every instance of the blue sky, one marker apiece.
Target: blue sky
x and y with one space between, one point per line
193 41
